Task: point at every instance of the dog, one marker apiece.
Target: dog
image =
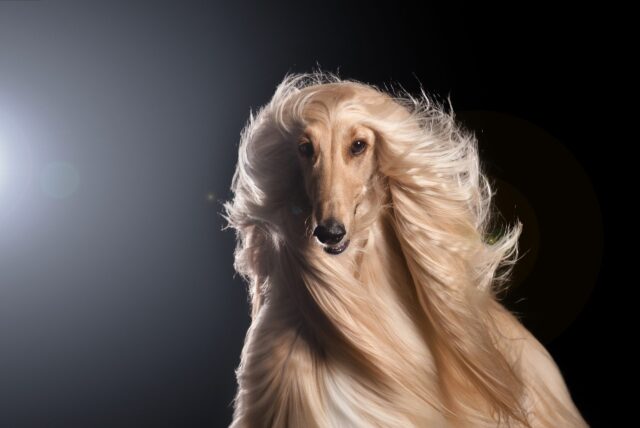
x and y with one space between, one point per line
361 219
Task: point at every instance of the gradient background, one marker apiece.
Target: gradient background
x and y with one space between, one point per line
119 125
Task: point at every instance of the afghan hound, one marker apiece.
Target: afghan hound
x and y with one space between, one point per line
362 219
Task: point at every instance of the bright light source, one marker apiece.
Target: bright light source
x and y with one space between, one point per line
16 163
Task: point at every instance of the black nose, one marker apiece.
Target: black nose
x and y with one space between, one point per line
331 232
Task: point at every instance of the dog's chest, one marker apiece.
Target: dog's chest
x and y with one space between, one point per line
351 404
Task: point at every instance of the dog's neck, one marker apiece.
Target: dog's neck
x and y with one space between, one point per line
368 327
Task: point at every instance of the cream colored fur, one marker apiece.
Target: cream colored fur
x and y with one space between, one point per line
404 328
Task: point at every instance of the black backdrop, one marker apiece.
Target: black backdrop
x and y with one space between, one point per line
119 124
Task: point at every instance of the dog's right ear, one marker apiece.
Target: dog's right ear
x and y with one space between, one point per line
252 261
262 186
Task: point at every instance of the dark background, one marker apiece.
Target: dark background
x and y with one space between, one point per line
118 304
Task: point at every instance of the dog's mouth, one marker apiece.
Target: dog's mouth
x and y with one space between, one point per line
337 249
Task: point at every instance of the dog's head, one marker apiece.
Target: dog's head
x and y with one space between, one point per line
336 155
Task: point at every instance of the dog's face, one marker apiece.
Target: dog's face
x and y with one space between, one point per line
337 160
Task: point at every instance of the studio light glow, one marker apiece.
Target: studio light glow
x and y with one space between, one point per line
59 180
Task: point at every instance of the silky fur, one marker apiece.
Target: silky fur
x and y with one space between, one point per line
404 328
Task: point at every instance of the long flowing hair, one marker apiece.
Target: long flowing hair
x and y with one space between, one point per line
436 203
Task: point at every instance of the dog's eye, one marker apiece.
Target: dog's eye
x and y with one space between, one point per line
358 147
306 149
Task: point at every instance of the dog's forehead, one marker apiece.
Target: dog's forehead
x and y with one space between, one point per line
323 105
332 116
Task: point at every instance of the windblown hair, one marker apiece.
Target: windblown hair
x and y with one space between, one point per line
411 320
